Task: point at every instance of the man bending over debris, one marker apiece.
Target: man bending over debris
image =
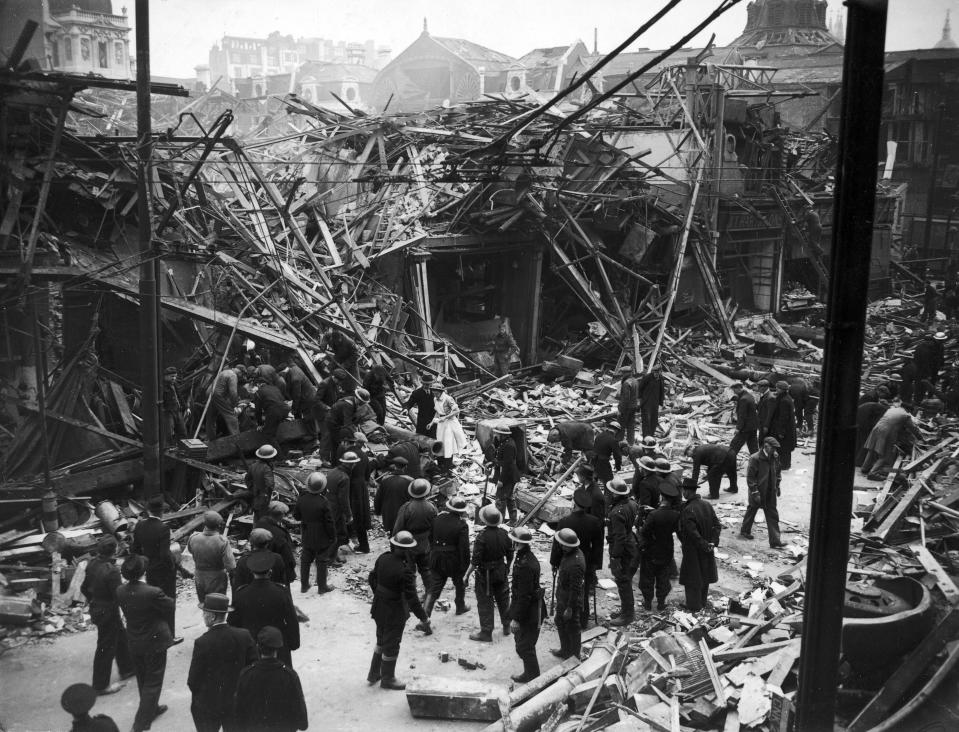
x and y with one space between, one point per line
699 533
719 461
606 447
895 425
763 479
224 400
572 436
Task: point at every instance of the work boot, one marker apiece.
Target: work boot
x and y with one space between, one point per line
462 608
389 680
304 589
559 652
744 535
520 678
375 664
661 605
506 622
322 586
483 636
622 620
530 667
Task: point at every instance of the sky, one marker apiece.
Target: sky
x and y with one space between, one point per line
182 31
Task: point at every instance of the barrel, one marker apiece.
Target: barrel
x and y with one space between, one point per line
110 517
49 518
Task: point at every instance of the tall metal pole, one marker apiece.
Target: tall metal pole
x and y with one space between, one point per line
854 205
149 333
933 174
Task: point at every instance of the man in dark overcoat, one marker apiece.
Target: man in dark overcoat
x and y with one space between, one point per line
319 533
151 538
262 603
699 534
269 696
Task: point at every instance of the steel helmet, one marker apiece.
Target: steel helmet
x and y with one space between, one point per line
567 537
521 535
419 488
490 515
663 466
403 540
316 482
457 504
363 395
350 458
618 486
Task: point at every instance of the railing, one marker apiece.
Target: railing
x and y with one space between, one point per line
75 14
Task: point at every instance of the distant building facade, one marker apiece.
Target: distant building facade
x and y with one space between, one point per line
547 70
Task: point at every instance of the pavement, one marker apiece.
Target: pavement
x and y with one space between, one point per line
338 639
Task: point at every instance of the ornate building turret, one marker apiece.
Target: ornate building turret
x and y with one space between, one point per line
786 27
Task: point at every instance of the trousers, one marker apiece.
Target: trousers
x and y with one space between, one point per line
111 644
627 420
439 576
210 580
165 579
623 568
222 409
525 639
749 438
569 631
770 509
654 578
307 557
389 635
650 419
492 588
150 668
505 500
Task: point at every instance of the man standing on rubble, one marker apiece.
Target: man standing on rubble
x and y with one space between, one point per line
929 358
747 420
344 353
173 426
271 408
449 555
319 533
930 298
656 549
699 534
570 591
391 493
151 538
338 491
147 610
260 481
329 391
264 602
572 435
492 554
652 395
393 582
606 447
212 555
99 587
503 346
782 424
505 471
281 542
417 516
525 609
628 402
763 479
894 426
623 552
359 490
378 382
589 530
719 461
224 401
805 398
346 417
422 398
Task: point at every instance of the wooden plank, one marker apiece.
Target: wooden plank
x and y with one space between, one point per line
898 512
732 721
330 244
787 659
905 675
737 654
193 524
929 453
943 580
706 369
51 414
126 414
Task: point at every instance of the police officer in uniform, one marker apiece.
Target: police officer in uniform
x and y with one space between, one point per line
492 554
505 471
393 582
570 581
449 554
263 602
656 548
417 516
589 530
525 606
623 552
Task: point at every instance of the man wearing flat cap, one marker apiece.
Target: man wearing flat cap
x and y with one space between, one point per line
652 396
99 586
572 436
280 540
422 398
173 426
212 555
747 420
262 603
762 478
782 423
269 695
219 655
628 403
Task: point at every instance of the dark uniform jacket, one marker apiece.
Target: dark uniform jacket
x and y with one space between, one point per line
263 602
747 416
393 581
598 497
589 531
300 388
570 582
656 535
151 538
243 576
344 415
698 527
282 544
524 606
782 421
606 447
622 522
492 551
359 493
628 395
100 588
391 494
260 481
928 358
422 399
272 377
651 390
410 451
450 543
417 516
338 493
219 655
711 456
505 469
867 416
328 392
646 488
313 511
146 610
767 403
576 435
269 400
269 698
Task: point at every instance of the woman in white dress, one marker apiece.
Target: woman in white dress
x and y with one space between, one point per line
449 431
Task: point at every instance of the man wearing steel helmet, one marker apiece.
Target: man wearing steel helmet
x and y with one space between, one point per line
449 554
656 548
319 533
570 589
213 556
623 554
260 481
338 493
525 609
359 490
393 582
589 529
417 516
492 554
